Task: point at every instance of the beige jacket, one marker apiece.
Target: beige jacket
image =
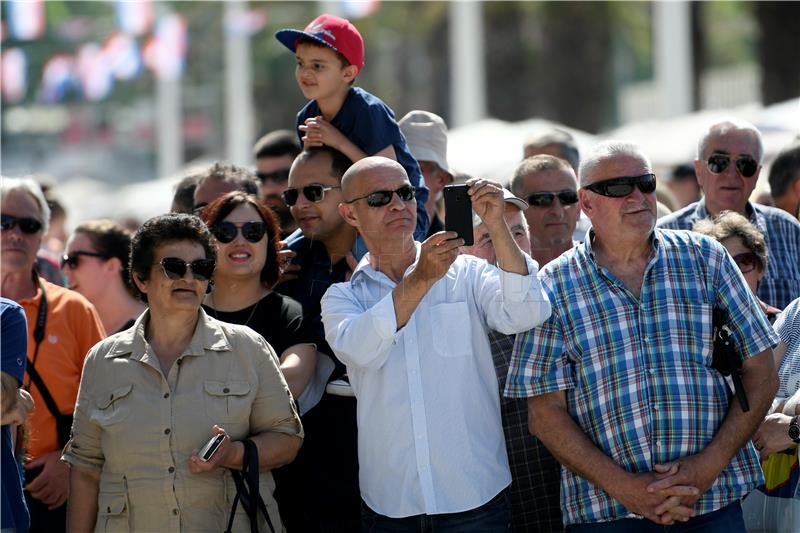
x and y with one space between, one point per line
139 427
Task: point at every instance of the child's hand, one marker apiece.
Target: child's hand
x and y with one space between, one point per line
319 131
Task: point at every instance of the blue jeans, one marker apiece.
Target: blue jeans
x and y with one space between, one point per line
726 520
493 516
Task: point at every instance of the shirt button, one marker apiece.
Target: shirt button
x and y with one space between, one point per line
175 511
171 469
226 390
167 431
180 361
166 395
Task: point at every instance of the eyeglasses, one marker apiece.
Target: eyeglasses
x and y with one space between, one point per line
27 225
313 193
225 232
380 198
545 199
623 186
278 175
747 261
175 268
746 165
72 259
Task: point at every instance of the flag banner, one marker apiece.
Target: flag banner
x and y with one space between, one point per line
14 81
165 51
58 77
247 23
121 54
95 77
134 16
25 19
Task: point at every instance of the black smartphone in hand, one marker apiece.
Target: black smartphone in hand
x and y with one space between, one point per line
458 212
211 447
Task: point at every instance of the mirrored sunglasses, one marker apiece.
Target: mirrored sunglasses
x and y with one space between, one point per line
225 232
175 268
545 199
747 261
27 225
72 259
406 193
313 193
278 175
623 186
746 165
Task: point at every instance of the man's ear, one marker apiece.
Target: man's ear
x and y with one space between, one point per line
585 202
348 214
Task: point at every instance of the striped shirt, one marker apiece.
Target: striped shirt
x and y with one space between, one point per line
637 371
788 327
781 282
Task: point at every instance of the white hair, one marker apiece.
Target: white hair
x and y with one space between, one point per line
726 126
30 186
606 150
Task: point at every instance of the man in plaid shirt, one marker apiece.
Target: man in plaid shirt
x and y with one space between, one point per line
619 379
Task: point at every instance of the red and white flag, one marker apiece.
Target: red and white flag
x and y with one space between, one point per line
134 16
165 51
14 79
25 19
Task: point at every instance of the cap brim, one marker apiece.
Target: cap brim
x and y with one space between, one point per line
288 38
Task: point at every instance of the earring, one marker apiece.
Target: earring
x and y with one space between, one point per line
209 287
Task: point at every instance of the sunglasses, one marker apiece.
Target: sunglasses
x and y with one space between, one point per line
747 261
313 193
175 268
545 199
225 232
278 175
72 259
620 187
29 226
380 198
745 165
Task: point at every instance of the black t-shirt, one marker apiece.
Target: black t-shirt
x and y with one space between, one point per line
276 317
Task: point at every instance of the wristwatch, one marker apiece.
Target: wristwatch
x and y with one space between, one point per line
794 430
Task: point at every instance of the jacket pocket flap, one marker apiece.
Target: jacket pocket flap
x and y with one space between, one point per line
111 504
104 400
229 388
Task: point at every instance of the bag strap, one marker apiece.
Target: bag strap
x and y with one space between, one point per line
247 489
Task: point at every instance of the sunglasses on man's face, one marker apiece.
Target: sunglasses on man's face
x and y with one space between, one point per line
746 165
545 199
225 232
747 261
175 268
623 186
27 225
72 259
381 198
277 176
313 193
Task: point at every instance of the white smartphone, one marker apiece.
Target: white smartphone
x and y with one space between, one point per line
211 447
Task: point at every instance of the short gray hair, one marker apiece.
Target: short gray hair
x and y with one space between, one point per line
534 164
728 125
607 150
32 187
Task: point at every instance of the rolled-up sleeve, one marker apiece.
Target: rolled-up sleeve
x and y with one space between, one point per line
84 446
273 408
359 336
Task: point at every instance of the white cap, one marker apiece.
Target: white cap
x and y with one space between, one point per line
426 135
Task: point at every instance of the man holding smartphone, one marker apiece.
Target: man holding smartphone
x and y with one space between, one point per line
411 325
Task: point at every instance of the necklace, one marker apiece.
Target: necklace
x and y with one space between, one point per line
249 318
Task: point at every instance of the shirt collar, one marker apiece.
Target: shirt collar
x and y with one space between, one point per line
701 211
364 267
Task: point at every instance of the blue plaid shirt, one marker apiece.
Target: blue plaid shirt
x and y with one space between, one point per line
637 371
781 282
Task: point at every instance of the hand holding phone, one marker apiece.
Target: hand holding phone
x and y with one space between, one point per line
211 447
458 212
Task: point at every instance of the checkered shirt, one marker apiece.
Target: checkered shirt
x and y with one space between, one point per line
781 282
637 371
534 490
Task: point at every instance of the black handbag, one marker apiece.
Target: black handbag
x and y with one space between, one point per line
247 489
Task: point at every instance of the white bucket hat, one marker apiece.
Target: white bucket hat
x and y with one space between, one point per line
426 135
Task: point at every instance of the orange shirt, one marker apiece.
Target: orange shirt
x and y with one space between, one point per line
72 328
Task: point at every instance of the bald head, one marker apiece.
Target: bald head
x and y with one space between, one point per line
728 128
369 167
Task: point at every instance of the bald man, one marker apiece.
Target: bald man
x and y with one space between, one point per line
411 326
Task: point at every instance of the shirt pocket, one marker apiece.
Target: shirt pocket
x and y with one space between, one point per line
113 407
451 329
227 401
112 512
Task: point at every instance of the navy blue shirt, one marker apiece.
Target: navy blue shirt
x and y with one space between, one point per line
370 124
13 348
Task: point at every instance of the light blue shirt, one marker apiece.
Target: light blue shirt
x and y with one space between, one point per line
430 438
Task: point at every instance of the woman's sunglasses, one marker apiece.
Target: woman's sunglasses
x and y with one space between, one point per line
747 261
225 232
380 198
545 199
72 259
29 226
175 268
620 187
745 165
313 193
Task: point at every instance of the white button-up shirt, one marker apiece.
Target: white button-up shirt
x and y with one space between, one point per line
430 438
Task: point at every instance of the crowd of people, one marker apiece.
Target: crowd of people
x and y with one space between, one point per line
317 320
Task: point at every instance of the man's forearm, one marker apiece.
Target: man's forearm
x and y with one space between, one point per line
509 256
84 486
407 295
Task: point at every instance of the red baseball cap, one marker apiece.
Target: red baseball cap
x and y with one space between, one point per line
334 32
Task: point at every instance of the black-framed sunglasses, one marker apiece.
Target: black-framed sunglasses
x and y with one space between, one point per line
623 186
225 232
313 193
747 261
73 259
545 199
380 198
27 225
277 176
175 268
746 165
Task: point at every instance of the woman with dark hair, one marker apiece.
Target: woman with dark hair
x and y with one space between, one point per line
96 265
152 395
247 236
